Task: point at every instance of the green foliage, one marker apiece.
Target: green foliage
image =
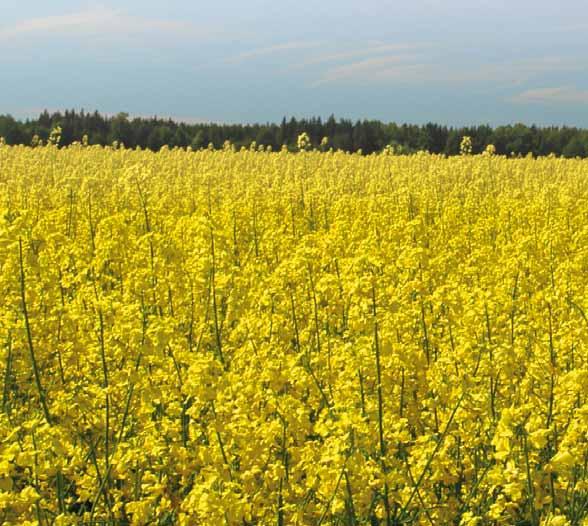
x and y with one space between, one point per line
367 135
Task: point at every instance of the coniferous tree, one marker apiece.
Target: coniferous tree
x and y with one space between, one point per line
365 135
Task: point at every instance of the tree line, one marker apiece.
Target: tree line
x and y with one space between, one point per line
343 134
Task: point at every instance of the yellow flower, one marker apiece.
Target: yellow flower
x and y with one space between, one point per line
230 336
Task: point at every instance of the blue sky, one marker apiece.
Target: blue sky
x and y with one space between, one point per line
450 61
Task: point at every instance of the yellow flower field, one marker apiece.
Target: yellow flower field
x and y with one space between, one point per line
257 338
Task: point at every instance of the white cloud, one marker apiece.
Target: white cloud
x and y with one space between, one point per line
368 51
375 69
511 73
409 68
102 21
271 50
558 95
51 24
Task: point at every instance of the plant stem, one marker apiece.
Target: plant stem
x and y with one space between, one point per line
25 311
380 405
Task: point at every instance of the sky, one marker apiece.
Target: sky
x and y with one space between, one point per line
453 62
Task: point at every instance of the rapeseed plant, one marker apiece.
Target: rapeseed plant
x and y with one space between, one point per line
222 337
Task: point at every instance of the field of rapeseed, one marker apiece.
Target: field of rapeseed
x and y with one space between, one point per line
257 338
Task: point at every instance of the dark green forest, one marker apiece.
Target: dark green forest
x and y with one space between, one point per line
343 134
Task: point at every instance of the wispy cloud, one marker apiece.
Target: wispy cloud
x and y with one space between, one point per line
513 72
570 28
101 21
375 69
557 95
271 50
363 52
411 68
93 19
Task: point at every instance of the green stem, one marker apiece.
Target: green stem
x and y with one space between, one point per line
30 337
107 396
217 330
7 372
430 459
380 405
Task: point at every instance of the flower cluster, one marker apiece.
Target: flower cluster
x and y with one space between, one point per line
303 142
254 337
465 147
